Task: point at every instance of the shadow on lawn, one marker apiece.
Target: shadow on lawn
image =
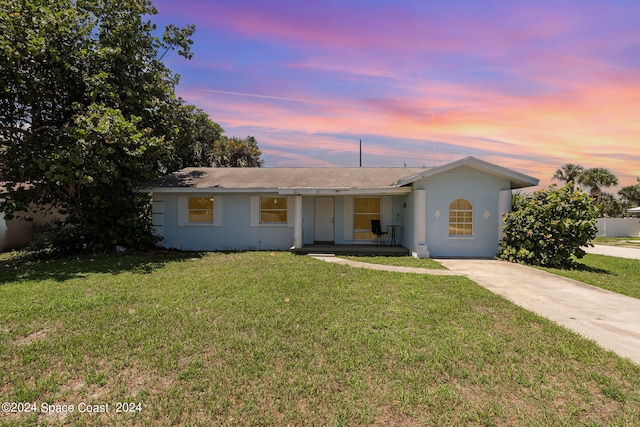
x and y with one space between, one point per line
22 267
583 267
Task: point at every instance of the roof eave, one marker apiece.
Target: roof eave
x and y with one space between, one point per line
517 179
282 190
345 191
515 184
206 190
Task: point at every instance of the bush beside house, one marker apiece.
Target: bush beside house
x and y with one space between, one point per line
548 227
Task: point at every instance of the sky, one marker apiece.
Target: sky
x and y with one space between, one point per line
529 85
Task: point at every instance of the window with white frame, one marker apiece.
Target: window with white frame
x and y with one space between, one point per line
460 218
273 210
200 210
364 210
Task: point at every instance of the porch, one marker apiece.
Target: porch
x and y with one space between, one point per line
359 250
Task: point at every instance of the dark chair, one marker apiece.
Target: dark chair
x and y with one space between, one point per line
376 229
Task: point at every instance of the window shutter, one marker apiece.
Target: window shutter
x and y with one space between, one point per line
217 211
183 210
255 211
157 214
348 218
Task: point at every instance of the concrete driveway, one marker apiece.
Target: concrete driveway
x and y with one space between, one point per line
616 251
610 319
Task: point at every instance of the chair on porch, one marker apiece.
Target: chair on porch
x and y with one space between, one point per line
376 229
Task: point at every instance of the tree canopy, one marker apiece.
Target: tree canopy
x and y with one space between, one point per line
88 113
236 152
202 143
597 179
631 193
569 172
196 136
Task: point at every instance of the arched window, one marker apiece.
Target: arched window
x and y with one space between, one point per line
460 218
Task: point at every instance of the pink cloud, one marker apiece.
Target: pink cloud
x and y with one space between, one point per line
560 130
523 85
400 29
290 159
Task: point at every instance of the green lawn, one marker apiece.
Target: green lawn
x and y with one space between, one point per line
278 339
619 275
632 242
399 261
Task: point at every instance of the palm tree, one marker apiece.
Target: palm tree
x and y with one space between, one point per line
610 206
568 172
596 179
631 193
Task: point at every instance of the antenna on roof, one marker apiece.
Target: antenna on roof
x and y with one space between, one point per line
360 153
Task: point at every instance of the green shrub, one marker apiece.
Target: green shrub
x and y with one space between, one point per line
549 226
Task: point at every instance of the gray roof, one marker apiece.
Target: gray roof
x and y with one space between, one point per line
316 180
277 178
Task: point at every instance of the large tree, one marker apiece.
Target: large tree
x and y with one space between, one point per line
200 142
197 134
87 113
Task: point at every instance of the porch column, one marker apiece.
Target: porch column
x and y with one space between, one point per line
420 249
297 225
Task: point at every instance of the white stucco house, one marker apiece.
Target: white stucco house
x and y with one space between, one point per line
451 210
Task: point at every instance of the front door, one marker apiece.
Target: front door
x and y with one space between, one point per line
324 219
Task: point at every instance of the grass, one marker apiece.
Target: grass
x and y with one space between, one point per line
399 261
619 275
617 241
277 339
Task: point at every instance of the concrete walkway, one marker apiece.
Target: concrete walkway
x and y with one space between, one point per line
610 319
335 260
616 251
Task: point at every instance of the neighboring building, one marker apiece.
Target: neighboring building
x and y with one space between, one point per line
3 230
17 233
450 210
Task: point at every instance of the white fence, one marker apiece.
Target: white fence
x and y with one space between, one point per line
618 227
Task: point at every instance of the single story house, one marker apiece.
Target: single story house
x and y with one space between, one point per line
451 210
